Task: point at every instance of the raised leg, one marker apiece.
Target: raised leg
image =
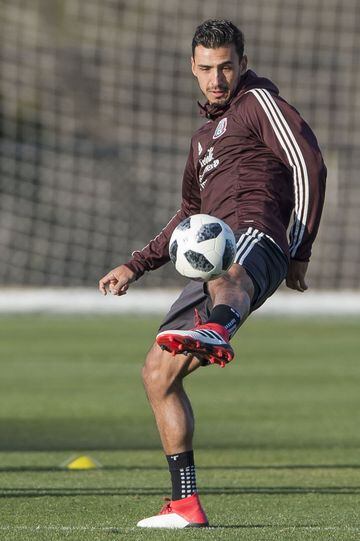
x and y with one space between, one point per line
234 289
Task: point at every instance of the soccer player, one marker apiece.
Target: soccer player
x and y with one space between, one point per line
255 164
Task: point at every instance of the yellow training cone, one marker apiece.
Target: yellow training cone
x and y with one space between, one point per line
82 463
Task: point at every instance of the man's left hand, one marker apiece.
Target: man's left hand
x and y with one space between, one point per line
295 278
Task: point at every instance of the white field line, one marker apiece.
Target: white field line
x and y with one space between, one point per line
158 301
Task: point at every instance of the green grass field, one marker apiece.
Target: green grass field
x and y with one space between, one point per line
277 441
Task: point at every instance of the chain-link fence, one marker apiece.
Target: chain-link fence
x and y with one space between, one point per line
98 105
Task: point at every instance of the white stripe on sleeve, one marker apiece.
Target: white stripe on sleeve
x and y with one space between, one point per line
296 161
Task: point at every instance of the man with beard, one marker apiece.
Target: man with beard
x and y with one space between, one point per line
256 165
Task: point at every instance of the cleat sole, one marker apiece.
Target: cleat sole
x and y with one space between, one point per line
207 353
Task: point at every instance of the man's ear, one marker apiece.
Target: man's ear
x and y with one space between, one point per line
193 66
243 64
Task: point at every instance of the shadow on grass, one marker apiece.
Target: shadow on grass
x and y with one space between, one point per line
159 491
258 527
15 469
103 433
262 526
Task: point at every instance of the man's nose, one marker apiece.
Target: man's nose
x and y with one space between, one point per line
218 78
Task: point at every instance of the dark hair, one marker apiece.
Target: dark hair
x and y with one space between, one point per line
215 33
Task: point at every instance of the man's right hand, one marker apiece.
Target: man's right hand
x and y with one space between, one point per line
117 281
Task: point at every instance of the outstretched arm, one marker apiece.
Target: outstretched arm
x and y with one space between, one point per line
156 253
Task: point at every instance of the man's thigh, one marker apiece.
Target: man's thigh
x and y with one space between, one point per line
263 261
182 313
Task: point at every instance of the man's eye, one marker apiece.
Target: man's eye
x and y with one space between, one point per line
227 68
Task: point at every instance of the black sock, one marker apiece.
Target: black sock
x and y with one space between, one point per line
182 471
225 315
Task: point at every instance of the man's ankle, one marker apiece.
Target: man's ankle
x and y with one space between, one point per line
182 471
227 317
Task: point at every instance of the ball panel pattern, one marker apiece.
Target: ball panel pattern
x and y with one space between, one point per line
173 251
185 224
208 231
198 261
228 255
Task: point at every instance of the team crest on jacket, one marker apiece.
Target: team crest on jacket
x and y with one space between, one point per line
220 128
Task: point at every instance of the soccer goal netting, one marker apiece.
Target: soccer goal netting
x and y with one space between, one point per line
97 108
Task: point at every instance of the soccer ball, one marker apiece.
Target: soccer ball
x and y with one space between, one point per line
202 247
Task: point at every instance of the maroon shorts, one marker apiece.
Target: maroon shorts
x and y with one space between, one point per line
263 260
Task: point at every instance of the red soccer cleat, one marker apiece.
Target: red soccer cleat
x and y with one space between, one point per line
185 513
209 342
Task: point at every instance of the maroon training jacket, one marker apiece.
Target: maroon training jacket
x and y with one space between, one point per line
254 163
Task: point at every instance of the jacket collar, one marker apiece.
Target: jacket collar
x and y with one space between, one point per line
212 111
247 81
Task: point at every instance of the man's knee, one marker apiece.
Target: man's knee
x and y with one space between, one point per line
159 373
162 372
236 278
